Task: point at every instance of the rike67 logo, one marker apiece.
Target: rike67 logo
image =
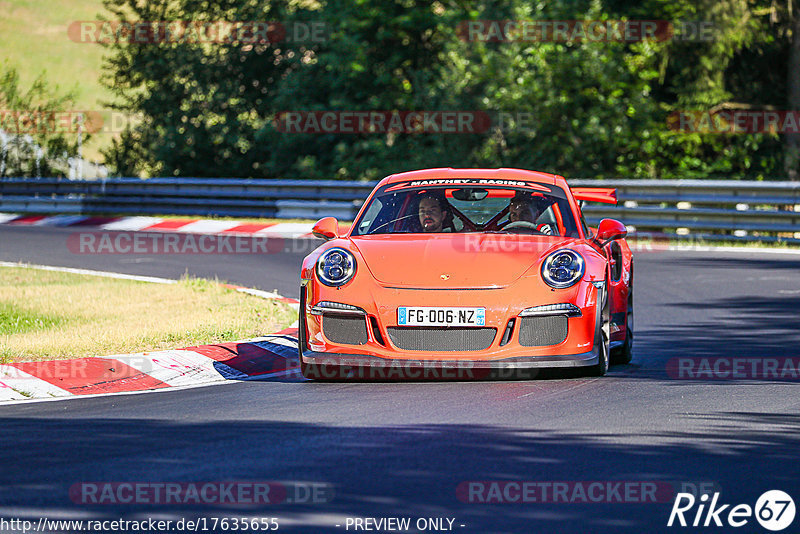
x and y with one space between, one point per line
774 510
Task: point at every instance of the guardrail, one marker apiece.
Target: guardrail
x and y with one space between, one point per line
730 210
726 209
282 199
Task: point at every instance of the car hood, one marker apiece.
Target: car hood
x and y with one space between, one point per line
453 261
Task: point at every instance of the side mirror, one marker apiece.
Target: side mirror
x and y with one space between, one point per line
326 228
609 230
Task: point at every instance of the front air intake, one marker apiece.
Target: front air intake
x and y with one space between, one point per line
542 331
345 329
436 339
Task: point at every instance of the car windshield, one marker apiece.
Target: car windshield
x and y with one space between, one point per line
535 209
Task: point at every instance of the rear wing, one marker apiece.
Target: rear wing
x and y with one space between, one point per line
607 195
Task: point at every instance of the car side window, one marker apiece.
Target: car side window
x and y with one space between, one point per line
370 216
616 256
548 217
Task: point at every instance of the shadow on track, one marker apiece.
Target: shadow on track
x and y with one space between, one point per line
411 470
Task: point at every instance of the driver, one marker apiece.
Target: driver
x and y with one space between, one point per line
434 212
525 208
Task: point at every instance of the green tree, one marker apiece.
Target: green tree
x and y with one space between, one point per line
209 109
36 136
203 103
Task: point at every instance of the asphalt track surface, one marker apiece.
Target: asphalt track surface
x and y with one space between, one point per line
403 449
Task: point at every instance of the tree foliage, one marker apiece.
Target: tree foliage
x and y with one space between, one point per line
593 109
36 138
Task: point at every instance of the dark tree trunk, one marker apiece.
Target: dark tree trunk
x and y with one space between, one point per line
792 146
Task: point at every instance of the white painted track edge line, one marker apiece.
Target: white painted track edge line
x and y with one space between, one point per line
104 274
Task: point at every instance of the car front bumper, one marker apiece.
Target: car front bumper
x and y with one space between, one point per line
332 366
377 323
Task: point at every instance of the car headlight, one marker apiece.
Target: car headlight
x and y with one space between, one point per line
336 266
563 268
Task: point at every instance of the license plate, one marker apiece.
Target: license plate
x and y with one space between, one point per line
435 316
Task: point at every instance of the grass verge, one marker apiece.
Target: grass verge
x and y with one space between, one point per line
47 315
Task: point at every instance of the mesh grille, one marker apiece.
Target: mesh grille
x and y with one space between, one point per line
343 329
441 339
542 331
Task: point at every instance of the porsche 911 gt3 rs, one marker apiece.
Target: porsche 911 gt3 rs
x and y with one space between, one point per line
468 269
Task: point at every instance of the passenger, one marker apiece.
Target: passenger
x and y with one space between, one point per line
525 208
521 208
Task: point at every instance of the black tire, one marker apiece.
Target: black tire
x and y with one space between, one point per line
602 335
308 369
624 354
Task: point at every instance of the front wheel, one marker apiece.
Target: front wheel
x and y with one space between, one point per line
602 334
624 354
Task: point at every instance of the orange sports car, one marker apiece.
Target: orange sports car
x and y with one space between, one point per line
467 273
